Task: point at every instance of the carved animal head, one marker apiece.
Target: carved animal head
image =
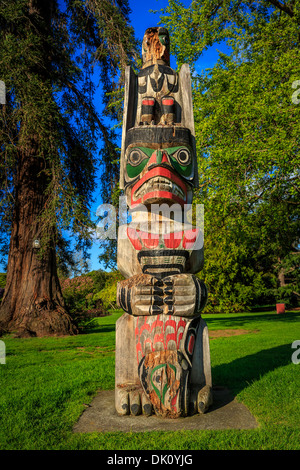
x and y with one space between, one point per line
159 166
156 46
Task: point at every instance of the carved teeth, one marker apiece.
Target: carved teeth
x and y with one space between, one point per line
159 183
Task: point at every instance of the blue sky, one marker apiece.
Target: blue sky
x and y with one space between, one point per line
141 18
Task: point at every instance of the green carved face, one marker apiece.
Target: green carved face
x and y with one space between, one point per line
179 158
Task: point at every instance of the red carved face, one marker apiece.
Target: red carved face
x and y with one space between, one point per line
159 175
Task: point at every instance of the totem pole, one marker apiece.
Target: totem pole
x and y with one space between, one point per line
162 345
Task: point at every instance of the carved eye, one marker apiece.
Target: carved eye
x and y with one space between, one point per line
136 160
135 157
183 157
164 39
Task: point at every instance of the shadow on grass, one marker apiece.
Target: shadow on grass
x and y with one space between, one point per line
239 321
99 329
238 374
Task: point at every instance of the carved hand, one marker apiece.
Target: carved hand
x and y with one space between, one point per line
181 294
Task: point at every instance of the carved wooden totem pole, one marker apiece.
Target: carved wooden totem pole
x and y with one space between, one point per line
162 346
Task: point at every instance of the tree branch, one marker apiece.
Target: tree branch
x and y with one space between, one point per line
283 7
92 113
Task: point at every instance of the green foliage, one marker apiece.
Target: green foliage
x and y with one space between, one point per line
108 294
78 295
289 291
247 133
206 22
77 291
2 280
90 295
99 279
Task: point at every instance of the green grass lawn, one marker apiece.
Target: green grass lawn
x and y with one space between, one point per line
46 384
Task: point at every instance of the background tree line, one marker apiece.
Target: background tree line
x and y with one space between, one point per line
247 134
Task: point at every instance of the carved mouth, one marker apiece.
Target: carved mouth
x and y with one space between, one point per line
159 183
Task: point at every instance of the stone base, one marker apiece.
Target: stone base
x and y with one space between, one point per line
225 413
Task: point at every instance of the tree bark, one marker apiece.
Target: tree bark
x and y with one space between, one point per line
33 304
281 275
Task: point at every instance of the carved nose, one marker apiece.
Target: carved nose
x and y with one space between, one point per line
158 157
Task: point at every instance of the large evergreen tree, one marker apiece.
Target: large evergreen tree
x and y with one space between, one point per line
247 133
48 143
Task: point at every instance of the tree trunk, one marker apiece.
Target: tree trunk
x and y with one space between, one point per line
281 276
33 304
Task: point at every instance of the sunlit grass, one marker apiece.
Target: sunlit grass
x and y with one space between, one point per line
47 383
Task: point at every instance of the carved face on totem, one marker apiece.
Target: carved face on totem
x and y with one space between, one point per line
159 167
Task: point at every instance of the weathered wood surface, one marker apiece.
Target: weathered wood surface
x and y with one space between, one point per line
162 348
162 363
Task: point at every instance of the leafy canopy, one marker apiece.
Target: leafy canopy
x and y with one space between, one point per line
247 135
